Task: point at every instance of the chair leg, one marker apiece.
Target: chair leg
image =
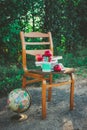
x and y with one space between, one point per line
44 99
24 82
72 92
50 89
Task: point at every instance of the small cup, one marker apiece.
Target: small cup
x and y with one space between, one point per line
46 67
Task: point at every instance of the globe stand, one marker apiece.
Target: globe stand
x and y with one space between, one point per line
19 101
19 117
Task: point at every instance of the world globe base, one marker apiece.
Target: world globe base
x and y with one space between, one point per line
19 117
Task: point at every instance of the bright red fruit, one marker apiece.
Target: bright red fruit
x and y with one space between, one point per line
48 53
57 68
39 57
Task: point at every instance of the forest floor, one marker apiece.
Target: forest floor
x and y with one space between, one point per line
59 117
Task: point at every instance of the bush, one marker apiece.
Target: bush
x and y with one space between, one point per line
10 78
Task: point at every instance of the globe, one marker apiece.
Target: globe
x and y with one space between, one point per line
19 100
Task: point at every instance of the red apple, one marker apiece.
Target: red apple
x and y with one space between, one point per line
48 53
57 68
39 57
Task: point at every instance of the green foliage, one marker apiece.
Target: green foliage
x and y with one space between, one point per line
82 71
10 78
69 20
11 45
16 16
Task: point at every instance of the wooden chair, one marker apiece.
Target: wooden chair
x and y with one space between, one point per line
38 75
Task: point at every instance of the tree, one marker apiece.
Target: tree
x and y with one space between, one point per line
64 19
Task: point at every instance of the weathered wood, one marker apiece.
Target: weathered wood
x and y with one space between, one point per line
50 88
43 99
36 35
72 91
38 75
58 84
37 43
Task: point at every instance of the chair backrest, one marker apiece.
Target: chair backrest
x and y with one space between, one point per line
28 39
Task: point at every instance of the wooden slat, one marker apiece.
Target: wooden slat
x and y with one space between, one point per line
35 52
33 75
71 70
58 84
36 34
37 43
33 81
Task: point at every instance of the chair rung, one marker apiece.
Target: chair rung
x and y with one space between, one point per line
58 84
33 81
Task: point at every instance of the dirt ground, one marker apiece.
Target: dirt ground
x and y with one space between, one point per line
59 117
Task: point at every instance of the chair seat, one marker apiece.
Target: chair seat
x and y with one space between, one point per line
65 71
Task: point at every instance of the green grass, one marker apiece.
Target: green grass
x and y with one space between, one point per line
81 71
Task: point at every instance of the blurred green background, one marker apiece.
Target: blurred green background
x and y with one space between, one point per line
66 20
